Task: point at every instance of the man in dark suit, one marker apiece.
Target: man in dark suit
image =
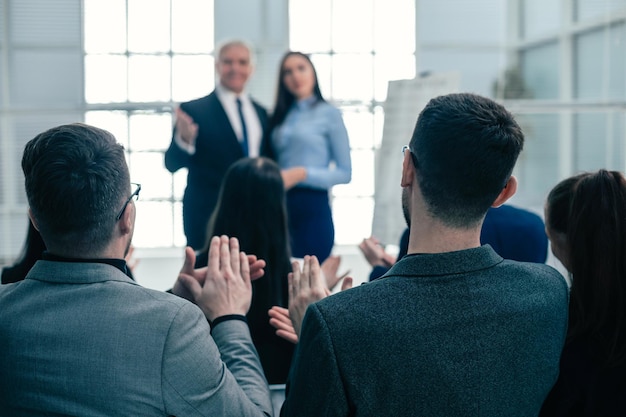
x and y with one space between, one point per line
81 338
453 329
213 132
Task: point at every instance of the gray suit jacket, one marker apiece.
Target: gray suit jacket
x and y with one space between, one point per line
83 339
455 334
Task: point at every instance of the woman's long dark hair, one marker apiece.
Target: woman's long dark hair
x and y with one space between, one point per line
251 207
596 246
284 99
34 246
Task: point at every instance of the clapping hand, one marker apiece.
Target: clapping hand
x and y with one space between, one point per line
306 286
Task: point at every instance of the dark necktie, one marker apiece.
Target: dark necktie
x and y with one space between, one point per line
244 130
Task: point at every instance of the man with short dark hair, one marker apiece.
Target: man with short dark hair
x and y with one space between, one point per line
80 337
452 329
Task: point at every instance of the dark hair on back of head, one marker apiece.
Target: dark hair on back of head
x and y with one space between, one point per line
559 202
76 180
596 241
251 207
465 147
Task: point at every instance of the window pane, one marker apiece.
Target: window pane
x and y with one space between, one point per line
353 219
540 68
599 141
180 183
149 25
359 123
390 67
394 26
192 76
192 26
149 78
115 122
150 132
600 63
352 77
179 234
540 17
352 26
105 26
537 169
322 67
588 65
310 25
153 224
362 183
105 78
588 9
147 169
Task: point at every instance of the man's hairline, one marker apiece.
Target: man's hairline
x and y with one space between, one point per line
227 44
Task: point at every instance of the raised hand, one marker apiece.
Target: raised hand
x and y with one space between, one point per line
188 274
279 319
227 288
186 127
375 254
282 322
306 286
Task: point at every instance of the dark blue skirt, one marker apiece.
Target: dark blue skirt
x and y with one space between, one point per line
311 228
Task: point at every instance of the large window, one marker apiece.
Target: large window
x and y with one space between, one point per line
141 57
357 46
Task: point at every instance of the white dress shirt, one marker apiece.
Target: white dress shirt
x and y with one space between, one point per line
228 99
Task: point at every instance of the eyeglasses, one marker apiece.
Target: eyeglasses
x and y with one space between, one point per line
135 195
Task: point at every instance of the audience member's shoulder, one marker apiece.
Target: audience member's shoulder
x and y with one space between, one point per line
512 213
540 273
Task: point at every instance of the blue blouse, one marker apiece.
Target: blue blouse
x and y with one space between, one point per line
313 136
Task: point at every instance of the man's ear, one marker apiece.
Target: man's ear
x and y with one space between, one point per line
507 192
126 222
32 219
408 170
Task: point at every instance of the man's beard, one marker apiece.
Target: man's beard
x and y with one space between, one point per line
406 206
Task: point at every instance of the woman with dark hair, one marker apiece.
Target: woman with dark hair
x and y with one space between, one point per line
31 253
586 224
309 141
251 207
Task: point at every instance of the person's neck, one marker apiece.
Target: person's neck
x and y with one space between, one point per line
429 235
227 90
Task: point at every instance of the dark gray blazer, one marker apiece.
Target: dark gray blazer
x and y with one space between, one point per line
83 339
454 334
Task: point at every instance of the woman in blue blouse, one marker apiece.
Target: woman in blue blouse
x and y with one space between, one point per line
310 143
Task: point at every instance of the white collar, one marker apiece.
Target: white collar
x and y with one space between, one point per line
225 94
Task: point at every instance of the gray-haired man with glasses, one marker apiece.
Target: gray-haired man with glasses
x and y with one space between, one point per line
81 338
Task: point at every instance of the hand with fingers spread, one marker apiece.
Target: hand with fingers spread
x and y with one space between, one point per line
227 289
281 320
188 273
